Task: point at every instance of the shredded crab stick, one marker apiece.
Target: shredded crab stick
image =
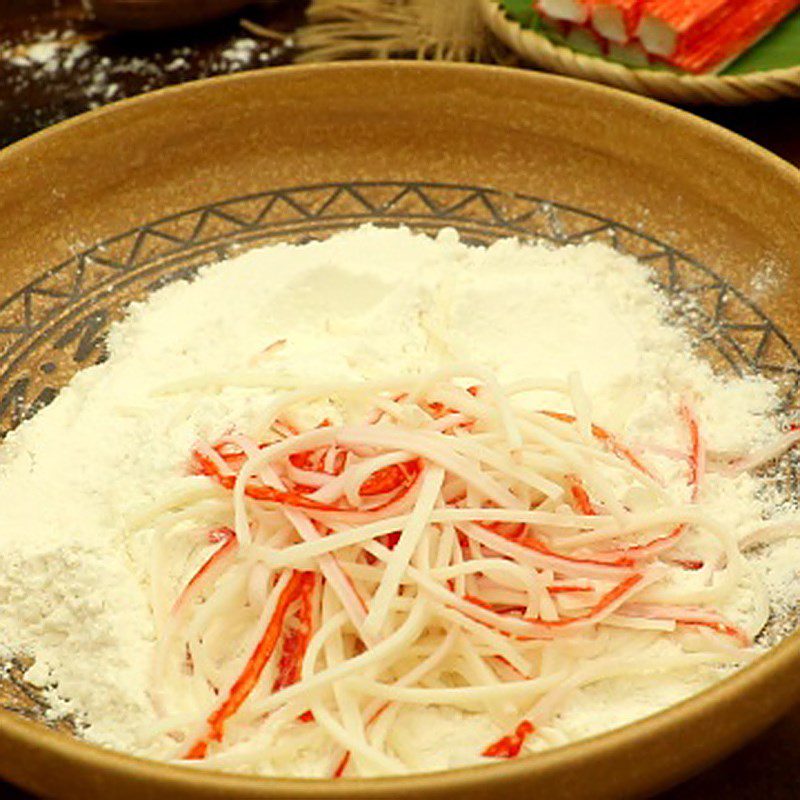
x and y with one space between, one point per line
296 640
604 436
580 496
764 455
241 689
689 616
378 707
215 563
446 533
697 450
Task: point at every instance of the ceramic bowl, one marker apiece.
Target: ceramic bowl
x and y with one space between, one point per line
97 211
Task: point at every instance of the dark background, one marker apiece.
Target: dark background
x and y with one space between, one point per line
34 95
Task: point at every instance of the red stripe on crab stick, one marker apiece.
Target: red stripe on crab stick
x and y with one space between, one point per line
580 496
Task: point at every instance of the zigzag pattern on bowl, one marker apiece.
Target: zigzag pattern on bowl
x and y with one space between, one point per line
55 325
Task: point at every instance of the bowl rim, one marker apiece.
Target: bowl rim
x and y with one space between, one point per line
782 659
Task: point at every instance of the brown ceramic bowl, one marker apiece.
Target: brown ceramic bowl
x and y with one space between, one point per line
96 211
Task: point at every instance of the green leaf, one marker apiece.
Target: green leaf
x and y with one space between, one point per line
522 11
778 50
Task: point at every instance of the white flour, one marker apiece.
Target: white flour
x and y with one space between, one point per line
363 304
98 73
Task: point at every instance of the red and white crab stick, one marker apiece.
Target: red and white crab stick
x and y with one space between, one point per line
703 35
696 36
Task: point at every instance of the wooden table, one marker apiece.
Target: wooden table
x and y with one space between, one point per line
34 95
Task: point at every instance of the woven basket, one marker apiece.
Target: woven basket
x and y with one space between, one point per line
719 89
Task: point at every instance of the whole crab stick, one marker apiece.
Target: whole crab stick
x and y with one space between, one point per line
705 35
709 50
616 20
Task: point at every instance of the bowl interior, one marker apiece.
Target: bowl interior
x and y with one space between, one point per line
100 211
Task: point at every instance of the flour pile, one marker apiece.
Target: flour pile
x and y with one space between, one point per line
79 481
